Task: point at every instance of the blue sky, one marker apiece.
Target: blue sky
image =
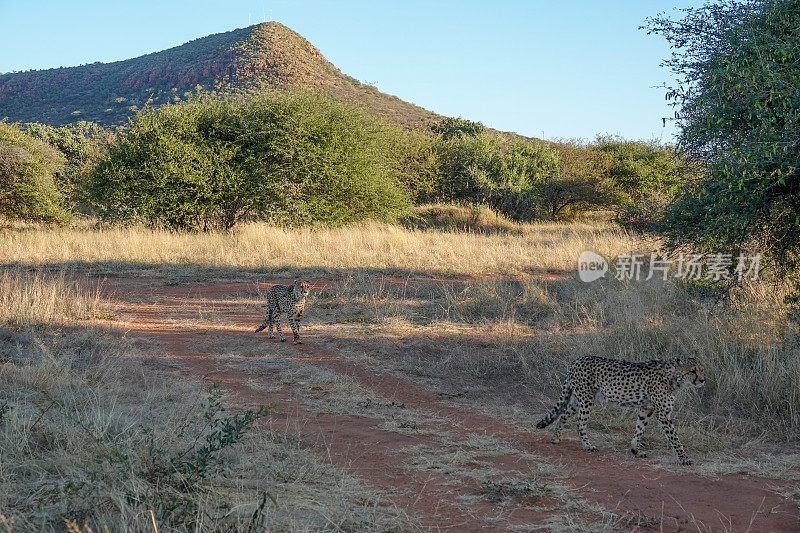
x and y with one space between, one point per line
570 69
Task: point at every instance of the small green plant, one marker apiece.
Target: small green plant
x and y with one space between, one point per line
193 463
175 477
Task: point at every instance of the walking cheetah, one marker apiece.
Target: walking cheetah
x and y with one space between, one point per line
289 299
649 384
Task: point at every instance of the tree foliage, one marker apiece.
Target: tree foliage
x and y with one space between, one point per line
450 127
83 145
737 100
212 162
28 189
579 182
644 176
487 169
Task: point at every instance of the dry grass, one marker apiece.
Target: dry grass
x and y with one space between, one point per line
507 342
88 422
494 332
28 300
260 249
461 218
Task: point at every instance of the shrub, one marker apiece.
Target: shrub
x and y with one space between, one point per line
84 145
27 169
529 179
639 169
418 164
485 168
290 158
450 127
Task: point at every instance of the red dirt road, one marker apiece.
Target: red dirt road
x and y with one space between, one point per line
647 497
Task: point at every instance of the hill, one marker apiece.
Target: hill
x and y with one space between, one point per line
265 56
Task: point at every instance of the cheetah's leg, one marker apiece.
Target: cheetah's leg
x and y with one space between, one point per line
295 324
669 430
644 416
278 326
584 408
271 318
556 436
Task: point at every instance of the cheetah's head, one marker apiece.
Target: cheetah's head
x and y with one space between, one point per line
689 373
301 288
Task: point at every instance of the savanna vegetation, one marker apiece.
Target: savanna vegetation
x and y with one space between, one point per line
298 158
96 435
28 187
448 231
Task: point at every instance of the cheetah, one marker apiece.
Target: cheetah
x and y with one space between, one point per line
650 385
289 299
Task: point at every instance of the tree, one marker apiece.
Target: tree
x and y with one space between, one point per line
640 169
737 101
84 145
486 168
286 157
579 182
27 187
645 177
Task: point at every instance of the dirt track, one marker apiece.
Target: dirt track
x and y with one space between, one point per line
650 498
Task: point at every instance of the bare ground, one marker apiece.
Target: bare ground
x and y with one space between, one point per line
449 466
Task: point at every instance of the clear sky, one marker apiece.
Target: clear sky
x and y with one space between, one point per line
569 69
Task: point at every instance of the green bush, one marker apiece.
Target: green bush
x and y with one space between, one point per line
27 186
418 164
524 179
578 183
450 127
84 145
485 168
640 169
644 177
290 158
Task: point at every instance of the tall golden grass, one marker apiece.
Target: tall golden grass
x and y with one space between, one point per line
537 247
505 343
29 299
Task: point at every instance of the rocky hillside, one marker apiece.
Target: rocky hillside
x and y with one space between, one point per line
265 56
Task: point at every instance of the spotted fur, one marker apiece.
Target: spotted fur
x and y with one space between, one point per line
287 299
650 385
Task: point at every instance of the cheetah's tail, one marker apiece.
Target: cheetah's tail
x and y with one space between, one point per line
262 326
566 393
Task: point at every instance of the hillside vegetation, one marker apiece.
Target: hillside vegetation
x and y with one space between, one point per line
265 56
